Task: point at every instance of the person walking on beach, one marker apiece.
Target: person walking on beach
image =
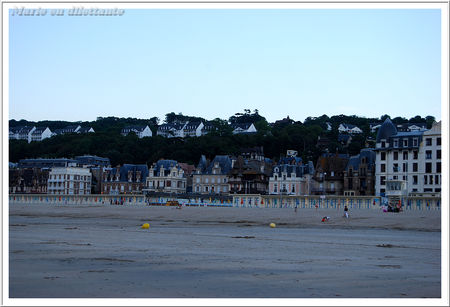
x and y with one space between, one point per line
346 211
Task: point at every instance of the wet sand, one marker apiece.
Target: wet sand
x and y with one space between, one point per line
101 252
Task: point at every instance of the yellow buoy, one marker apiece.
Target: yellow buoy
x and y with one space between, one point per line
272 225
145 226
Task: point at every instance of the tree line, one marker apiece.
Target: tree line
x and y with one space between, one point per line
276 138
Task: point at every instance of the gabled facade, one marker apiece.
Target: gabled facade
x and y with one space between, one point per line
250 176
193 129
21 133
28 180
67 129
166 176
171 130
141 131
329 174
291 177
126 179
212 177
40 133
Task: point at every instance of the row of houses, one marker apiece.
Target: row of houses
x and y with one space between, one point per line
407 161
37 134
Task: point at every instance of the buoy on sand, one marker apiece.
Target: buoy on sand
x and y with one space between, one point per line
145 226
272 225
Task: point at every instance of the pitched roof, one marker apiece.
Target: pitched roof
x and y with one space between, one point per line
224 163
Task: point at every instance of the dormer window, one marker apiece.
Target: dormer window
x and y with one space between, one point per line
395 142
415 142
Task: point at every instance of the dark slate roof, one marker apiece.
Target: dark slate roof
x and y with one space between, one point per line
202 164
224 164
174 126
192 125
290 160
123 171
355 161
85 129
21 129
166 164
348 126
386 130
39 130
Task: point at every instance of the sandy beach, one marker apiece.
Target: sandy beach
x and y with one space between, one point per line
101 252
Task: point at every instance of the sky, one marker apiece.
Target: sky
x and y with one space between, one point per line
215 63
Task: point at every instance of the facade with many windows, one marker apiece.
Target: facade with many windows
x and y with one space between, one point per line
412 158
166 176
69 181
212 177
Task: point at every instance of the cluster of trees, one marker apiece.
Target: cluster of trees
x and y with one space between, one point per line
275 138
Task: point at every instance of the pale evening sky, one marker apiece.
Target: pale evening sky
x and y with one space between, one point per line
214 63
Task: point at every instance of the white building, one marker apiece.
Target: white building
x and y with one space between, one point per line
69 181
21 133
193 129
410 159
40 134
349 129
166 176
243 128
141 131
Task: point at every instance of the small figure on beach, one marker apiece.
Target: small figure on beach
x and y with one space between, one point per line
325 219
346 211
295 209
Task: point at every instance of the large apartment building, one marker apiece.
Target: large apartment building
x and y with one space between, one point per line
412 158
69 181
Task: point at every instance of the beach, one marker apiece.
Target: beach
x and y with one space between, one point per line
80 251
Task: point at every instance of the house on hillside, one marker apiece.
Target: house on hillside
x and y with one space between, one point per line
72 129
21 133
412 127
208 127
141 131
171 130
193 128
243 128
344 139
348 128
40 133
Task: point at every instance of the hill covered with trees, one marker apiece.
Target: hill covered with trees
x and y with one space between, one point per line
276 138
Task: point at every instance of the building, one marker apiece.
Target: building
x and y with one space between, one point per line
291 177
212 177
46 163
125 179
344 139
171 130
359 175
73 129
411 127
28 180
329 174
92 161
21 133
412 159
374 126
166 176
348 128
69 181
208 127
250 175
243 128
40 133
193 128
140 131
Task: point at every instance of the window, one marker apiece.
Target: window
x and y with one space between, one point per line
438 141
198 180
436 179
405 143
332 173
431 179
405 167
438 154
438 167
395 142
428 167
275 188
415 167
425 179
383 144
428 154
383 168
405 155
415 155
382 180
395 167
383 156
404 178
428 141
395 155
415 179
